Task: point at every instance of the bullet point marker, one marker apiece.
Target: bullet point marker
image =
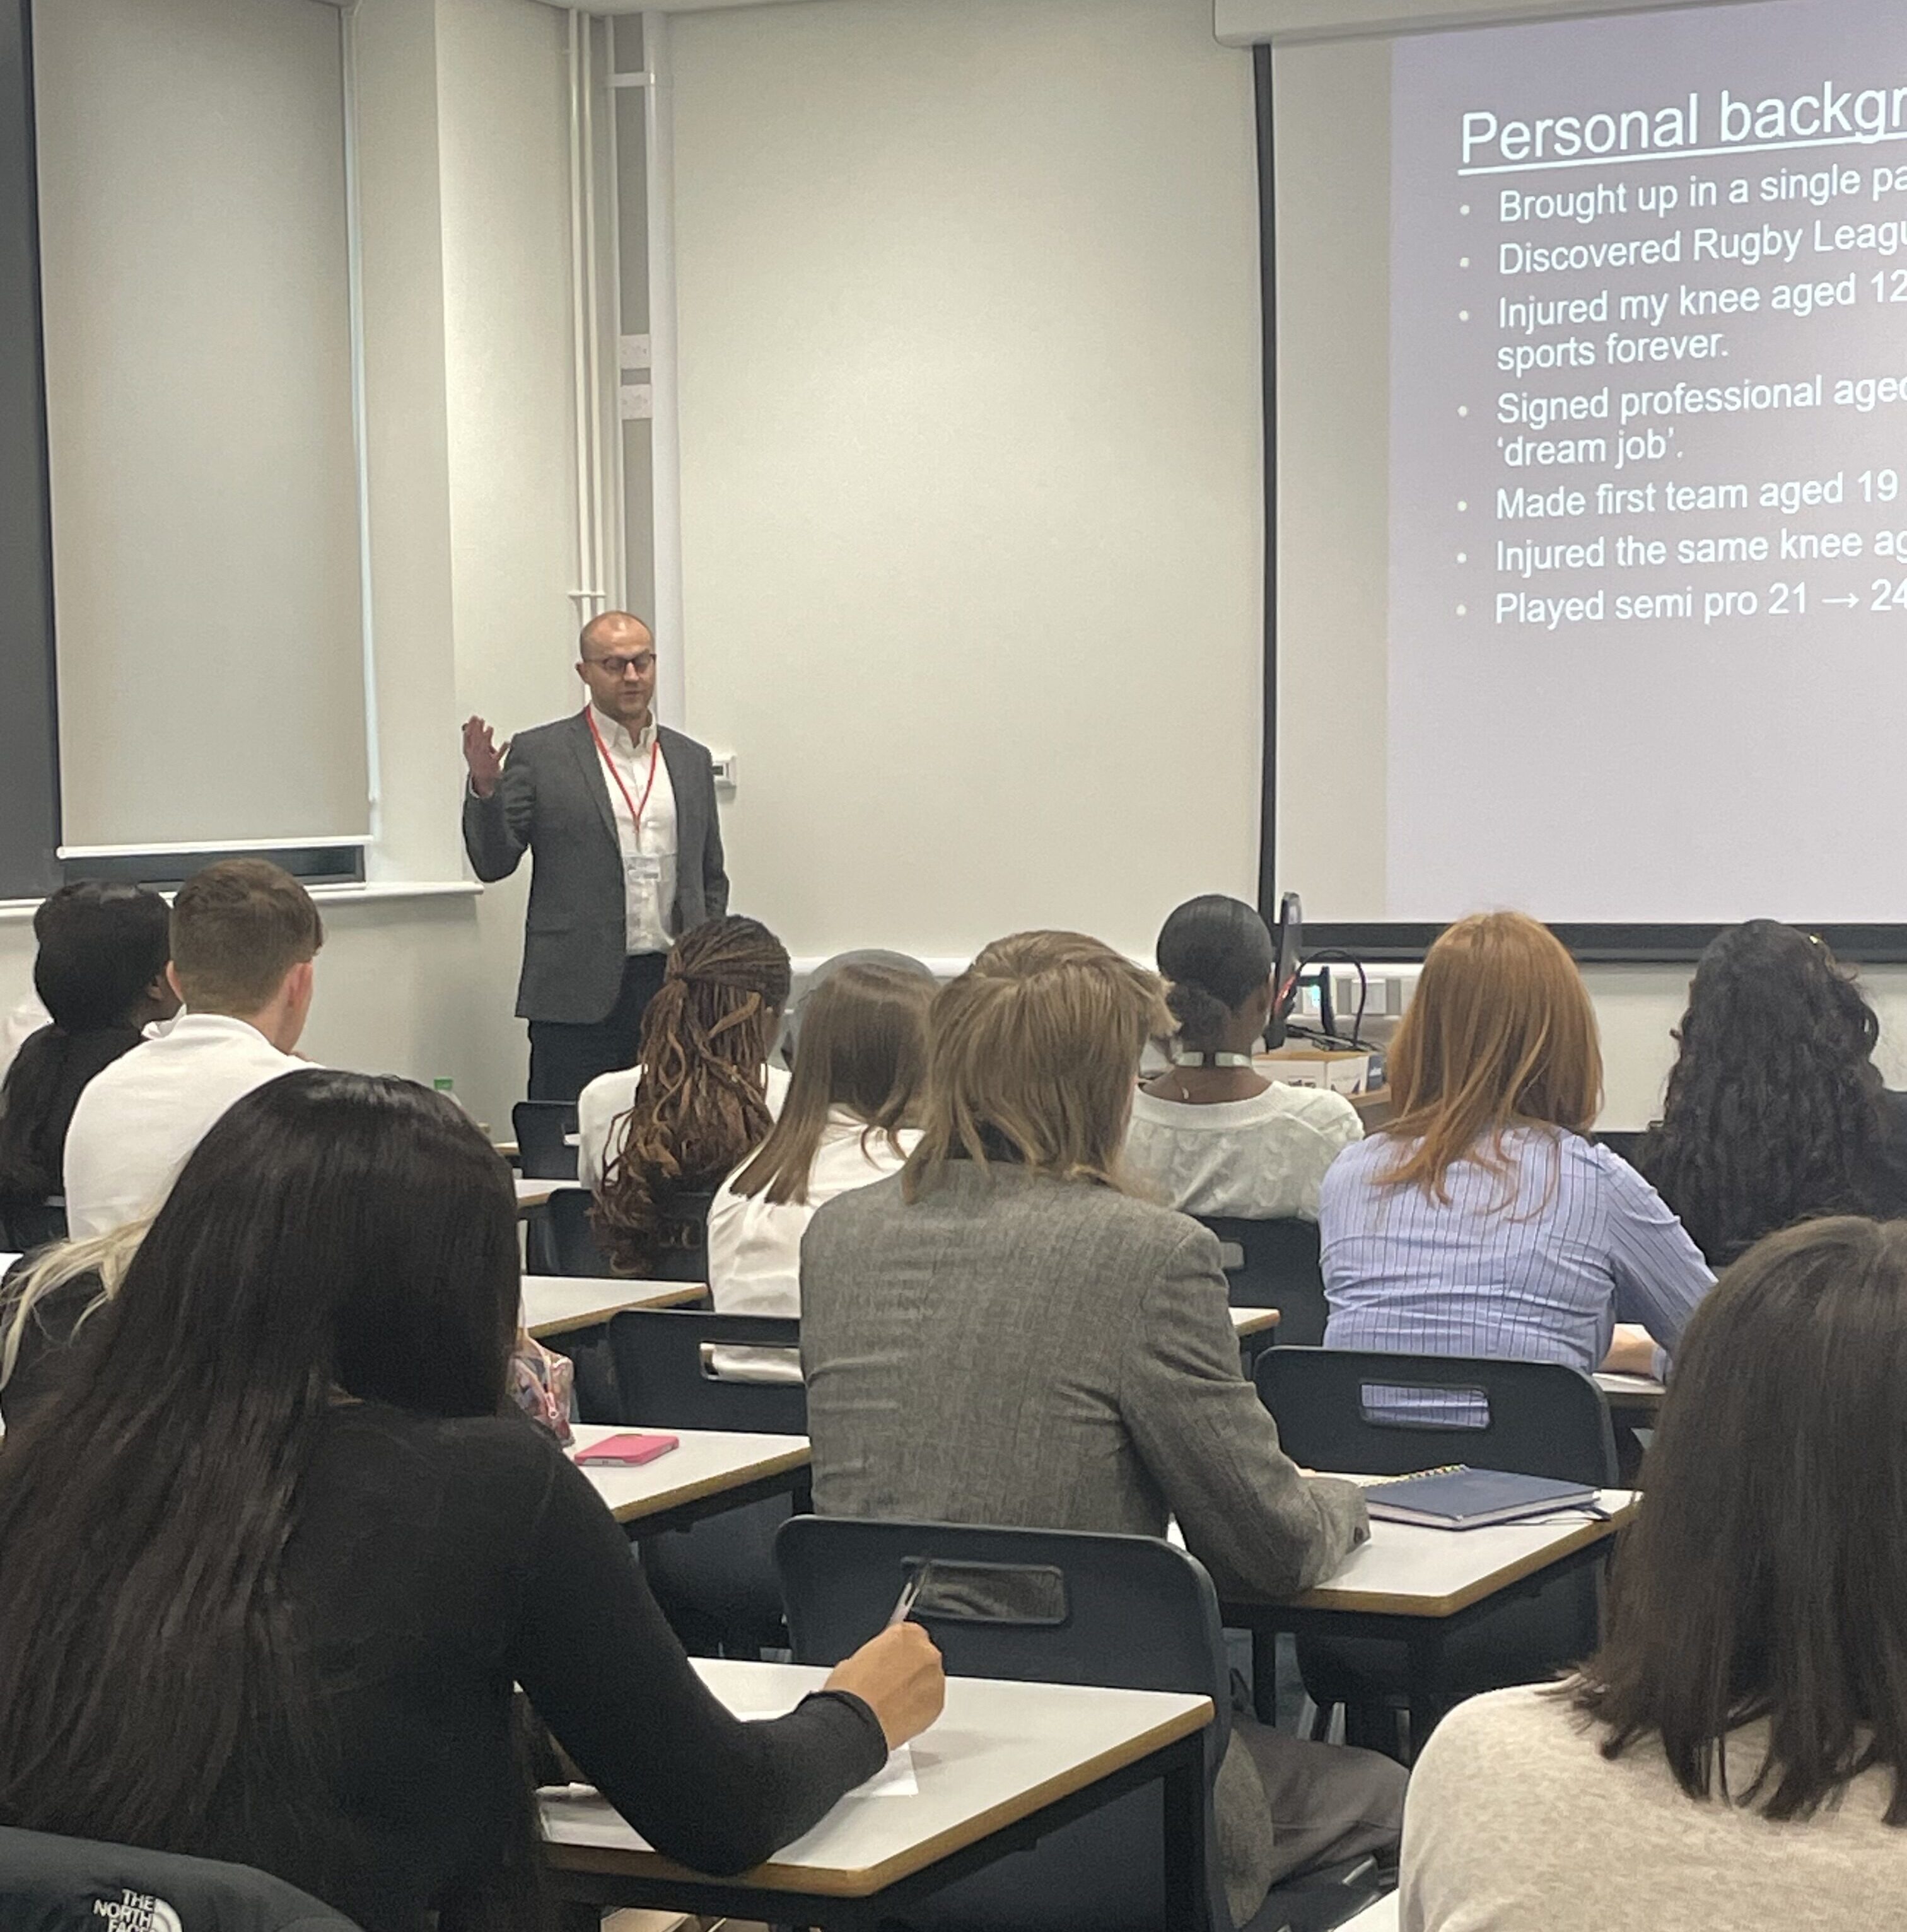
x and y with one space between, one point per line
1463 408
1463 610
1462 262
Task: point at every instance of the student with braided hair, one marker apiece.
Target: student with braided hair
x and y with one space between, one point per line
702 1097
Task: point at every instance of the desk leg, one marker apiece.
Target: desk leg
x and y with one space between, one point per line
1424 1652
1187 1908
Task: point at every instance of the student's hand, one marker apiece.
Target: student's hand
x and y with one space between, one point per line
480 753
899 1677
1631 1352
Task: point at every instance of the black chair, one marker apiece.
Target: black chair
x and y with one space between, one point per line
32 1224
684 1257
545 1139
51 1884
1274 1264
573 1240
716 1580
666 1381
1121 1611
574 1250
1531 1418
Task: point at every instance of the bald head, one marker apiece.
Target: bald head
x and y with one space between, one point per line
618 664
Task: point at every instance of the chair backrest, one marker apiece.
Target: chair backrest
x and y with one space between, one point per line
32 1224
545 1139
665 1381
572 1241
577 1251
1531 1418
1126 1612
79 1884
1274 1264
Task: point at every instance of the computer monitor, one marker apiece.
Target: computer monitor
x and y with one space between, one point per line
1284 975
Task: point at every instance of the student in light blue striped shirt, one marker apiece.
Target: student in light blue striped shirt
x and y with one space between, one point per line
1482 1221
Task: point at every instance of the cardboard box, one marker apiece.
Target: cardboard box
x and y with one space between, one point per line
1336 1070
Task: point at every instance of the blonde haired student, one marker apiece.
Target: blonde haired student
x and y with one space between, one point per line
847 1121
1001 1334
1482 1221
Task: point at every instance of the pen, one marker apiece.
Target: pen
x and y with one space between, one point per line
910 1592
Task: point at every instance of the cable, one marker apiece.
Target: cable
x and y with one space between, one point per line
1356 1040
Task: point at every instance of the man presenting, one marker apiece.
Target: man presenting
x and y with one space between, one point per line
619 813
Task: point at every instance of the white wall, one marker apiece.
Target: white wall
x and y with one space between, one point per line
971 508
971 418
463 148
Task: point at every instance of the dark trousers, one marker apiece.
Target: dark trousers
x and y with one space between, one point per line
564 1059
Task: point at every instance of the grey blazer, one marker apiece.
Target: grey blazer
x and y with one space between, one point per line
1016 1350
553 802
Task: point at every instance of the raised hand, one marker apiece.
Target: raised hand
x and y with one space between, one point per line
482 755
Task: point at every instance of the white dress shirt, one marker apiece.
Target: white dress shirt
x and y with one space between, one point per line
1262 1159
139 1118
649 885
755 1244
610 1096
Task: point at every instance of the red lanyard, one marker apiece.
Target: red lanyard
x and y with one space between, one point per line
655 744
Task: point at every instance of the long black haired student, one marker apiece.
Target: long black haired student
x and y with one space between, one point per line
271 1562
100 970
1775 1110
1735 1755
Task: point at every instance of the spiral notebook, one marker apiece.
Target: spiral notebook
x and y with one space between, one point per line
1465 1498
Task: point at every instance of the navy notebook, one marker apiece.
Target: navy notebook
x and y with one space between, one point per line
1465 1498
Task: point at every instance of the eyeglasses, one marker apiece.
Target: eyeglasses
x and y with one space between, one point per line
641 662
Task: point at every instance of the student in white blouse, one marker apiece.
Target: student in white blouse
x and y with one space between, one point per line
1211 1135
857 1075
245 934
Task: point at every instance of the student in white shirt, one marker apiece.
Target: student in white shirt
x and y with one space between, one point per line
1735 1755
245 934
697 1105
858 1076
1211 1135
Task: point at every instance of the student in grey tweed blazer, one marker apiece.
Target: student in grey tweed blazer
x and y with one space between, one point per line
999 1335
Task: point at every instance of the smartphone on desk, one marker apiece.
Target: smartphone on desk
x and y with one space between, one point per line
625 1452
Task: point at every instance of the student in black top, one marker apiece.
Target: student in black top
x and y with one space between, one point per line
1775 1111
273 1554
100 971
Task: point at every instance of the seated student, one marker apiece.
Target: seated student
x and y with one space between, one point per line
1211 1135
1000 1335
1735 1755
289 1455
101 970
1775 1110
244 936
847 1121
864 956
703 1096
1480 1222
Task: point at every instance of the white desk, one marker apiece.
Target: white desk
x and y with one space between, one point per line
710 1470
559 1304
7 1261
1381 1917
1405 1571
1000 1752
531 1195
1254 1321
1641 1394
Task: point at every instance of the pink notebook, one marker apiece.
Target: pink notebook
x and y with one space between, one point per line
624 1452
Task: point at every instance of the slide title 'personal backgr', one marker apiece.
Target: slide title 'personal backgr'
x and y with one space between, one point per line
1831 115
